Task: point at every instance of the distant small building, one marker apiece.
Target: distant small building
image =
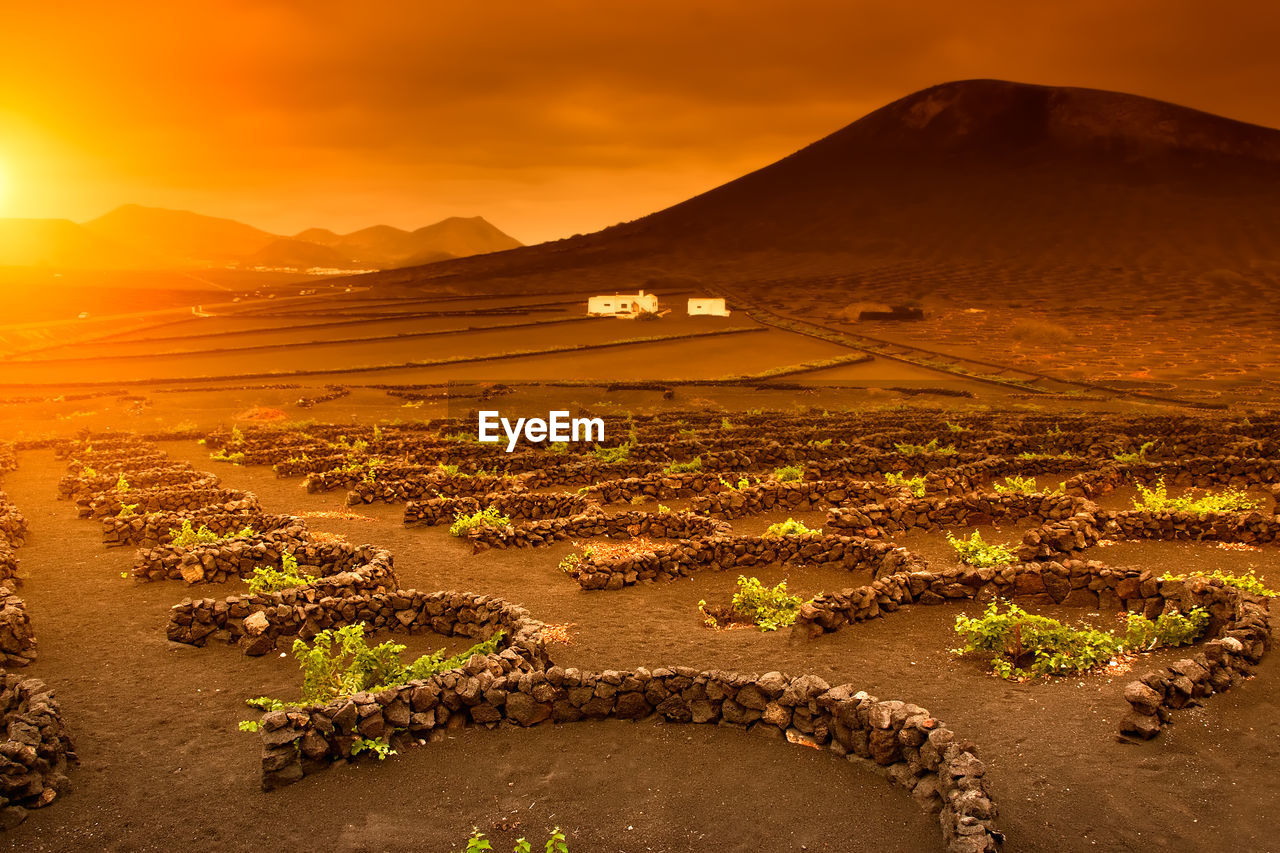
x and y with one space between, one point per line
708 307
622 305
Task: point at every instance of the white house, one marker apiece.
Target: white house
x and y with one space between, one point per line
622 304
708 307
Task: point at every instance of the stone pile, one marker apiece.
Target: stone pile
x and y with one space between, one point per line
239 556
1221 664
931 513
743 554
13 526
8 565
864 466
594 523
419 487
184 498
148 531
802 496
1063 538
115 463
515 505
36 750
259 621
1199 471
977 476
660 486
79 488
587 471
1251 528
17 637
318 464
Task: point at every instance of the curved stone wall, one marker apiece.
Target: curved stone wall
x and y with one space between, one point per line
622 525
919 753
36 751
17 637
516 505
743 553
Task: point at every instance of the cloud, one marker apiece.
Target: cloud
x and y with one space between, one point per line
563 115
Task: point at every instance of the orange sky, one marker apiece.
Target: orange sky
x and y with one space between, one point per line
548 117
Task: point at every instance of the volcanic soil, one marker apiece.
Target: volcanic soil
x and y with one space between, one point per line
163 764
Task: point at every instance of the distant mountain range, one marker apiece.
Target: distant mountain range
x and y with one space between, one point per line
137 237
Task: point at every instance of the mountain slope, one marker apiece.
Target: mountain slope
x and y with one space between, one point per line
455 237
462 236
298 254
61 243
986 167
137 237
979 170
180 236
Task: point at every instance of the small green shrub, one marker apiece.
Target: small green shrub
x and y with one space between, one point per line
1140 455
1168 629
569 563
915 482
234 457
1248 582
1025 645
558 447
122 485
621 453
126 510
789 473
918 449
463 524
790 527
743 482
1016 485
977 552
556 843
271 579
339 663
770 608
188 537
378 746
1157 500
690 467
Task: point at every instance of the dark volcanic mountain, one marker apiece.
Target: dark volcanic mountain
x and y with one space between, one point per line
975 171
986 167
